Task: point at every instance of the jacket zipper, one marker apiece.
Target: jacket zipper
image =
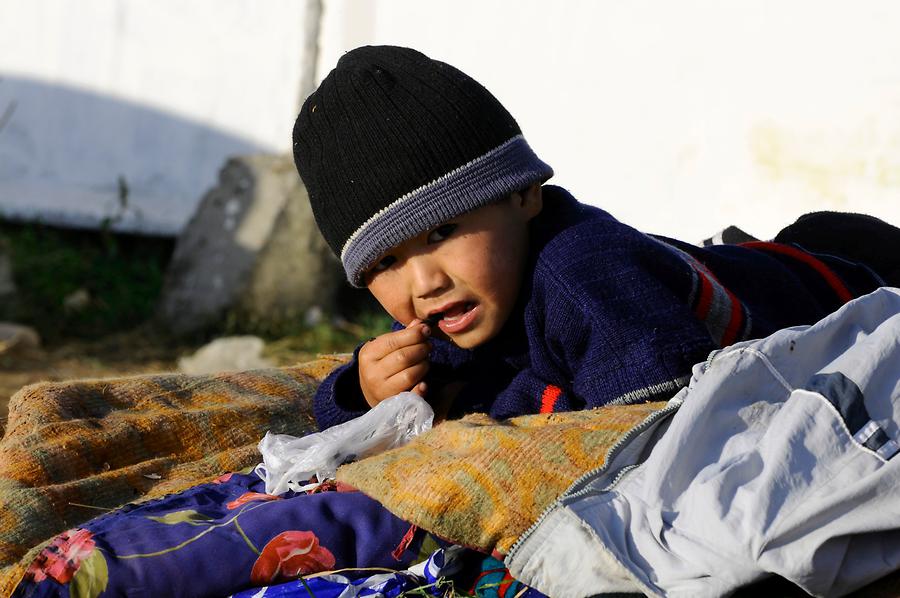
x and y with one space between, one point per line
574 490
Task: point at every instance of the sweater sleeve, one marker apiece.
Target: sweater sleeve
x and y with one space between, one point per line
530 392
339 397
622 334
627 334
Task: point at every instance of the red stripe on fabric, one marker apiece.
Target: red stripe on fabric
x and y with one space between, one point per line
549 397
816 264
734 322
404 543
484 574
706 295
707 292
506 583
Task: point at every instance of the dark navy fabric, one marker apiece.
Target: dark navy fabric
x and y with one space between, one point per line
605 315
857 237
848 399
845 395
877 440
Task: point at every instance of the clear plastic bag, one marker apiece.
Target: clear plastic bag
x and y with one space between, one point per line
289 462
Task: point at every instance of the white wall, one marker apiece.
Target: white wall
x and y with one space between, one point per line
678 117
158 92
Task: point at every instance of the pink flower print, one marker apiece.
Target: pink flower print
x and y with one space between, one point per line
290 555
222 478
250 497
62 557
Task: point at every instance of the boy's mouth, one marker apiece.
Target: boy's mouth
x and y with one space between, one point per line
455 319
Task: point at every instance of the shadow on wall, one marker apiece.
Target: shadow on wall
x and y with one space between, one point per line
75 158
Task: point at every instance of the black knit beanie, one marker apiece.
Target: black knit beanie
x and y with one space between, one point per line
393 143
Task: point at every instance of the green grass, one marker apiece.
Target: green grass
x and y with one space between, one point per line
122 276
336 336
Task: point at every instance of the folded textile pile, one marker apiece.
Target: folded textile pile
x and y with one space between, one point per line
481 483
73 450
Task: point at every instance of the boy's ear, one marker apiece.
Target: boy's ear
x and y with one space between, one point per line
532 200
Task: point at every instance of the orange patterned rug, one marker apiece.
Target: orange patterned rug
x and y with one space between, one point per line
481 483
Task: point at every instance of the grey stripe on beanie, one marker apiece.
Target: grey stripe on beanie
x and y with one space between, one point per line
511 167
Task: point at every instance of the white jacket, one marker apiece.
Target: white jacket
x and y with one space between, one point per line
776 459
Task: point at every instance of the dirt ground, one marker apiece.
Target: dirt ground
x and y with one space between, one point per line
136 352
113 356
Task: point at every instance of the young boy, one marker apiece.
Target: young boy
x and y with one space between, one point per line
510 296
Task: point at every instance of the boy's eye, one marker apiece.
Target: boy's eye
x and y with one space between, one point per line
383 264
441 233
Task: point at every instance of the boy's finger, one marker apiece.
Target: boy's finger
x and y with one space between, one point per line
393 341
408 378
420 389
403 358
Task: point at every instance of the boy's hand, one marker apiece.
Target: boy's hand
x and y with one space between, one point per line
394 362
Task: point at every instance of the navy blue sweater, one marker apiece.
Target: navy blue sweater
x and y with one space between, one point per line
608 314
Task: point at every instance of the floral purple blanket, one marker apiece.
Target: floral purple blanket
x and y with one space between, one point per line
228 537
217 539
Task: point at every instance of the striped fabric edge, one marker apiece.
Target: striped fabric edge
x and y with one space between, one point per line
648 393
726 318
549 398
828 275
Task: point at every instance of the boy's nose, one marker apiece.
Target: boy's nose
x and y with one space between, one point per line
427 277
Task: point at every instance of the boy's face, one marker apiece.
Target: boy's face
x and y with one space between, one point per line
468 269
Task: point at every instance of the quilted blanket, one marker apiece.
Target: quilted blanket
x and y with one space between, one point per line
74 450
